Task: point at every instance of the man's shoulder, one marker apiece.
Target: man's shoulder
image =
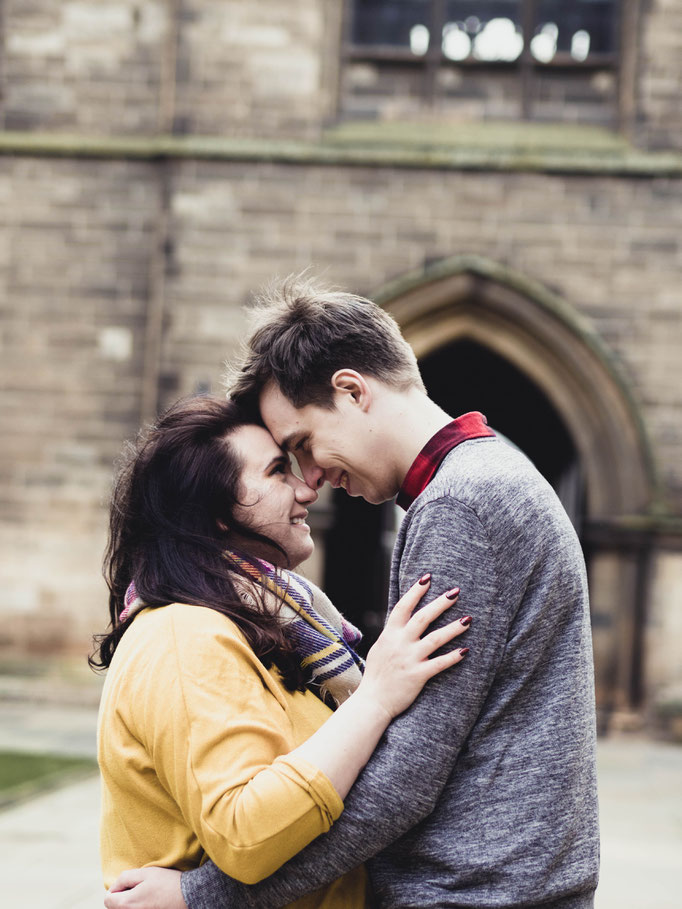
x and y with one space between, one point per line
490 483
478 469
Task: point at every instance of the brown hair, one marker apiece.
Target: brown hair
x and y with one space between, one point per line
304 333
171 522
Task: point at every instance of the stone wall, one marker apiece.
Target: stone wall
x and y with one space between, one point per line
373 90
609 246
219 67
105 258
259 69
73 283
652 75
237 68
659 80
75 278
83 65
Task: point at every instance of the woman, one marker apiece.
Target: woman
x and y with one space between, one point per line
214 736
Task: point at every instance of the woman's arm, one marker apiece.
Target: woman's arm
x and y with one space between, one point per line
398 667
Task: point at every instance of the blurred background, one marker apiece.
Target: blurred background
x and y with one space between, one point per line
504 177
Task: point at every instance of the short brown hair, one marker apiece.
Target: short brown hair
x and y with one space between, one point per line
304 333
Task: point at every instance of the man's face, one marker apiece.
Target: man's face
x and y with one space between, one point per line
339 446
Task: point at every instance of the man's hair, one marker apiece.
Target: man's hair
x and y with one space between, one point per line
304 333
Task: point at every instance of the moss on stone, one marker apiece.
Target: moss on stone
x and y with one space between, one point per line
558 150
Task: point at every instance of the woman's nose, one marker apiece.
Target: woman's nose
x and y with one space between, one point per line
305 494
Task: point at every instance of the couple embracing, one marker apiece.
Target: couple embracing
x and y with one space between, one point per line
243 742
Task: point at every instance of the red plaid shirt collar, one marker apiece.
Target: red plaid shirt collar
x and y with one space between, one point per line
469 426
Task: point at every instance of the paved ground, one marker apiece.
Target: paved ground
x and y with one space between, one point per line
49 844
640 794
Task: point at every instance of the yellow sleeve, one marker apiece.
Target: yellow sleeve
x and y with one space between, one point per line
220 738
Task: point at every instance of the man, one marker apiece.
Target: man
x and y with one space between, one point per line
484 793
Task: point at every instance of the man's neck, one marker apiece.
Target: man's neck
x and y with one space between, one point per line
414 419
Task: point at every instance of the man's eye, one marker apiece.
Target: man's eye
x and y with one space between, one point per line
278 468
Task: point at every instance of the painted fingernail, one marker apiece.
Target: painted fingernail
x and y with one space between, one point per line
463 650
465 620
451 594
424 579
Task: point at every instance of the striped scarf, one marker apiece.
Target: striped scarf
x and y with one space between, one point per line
323 639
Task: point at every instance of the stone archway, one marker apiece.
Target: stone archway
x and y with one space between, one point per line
544 337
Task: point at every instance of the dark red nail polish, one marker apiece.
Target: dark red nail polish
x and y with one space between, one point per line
463 650
465 620
425 578
451 594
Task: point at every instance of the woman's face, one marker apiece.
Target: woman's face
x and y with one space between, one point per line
273 499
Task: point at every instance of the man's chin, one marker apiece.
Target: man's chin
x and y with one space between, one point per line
376 497
372 496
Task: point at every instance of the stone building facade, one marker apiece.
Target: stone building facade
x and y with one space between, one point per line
161 160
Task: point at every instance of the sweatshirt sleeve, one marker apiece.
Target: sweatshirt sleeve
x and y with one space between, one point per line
402 782
219 736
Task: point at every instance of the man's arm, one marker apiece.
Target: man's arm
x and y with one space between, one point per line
401 784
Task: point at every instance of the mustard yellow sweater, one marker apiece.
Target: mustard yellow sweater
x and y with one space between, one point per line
193 739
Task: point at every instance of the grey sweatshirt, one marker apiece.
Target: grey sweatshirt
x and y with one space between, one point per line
483 794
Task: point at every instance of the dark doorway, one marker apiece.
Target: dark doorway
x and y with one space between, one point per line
460 377
466 376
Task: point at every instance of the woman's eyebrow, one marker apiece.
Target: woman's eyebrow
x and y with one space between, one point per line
277 460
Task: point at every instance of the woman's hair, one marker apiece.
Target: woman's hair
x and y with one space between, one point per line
171 522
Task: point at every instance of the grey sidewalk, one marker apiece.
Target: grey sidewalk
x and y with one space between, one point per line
49 844
640 800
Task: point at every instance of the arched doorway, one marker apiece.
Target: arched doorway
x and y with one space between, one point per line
490 339
459 376
464 375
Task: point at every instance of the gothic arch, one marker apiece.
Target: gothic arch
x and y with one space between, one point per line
468 297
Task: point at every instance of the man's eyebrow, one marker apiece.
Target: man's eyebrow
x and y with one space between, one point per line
289 442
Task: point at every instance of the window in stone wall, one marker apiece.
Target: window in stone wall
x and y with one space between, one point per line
545 59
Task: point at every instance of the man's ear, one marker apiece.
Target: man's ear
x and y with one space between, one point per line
353 386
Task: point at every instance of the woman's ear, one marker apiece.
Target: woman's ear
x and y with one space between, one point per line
352 385
222 526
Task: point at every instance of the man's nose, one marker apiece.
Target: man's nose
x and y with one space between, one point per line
313 475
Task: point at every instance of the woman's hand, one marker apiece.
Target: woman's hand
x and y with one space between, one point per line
146 888
400 663
398 666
